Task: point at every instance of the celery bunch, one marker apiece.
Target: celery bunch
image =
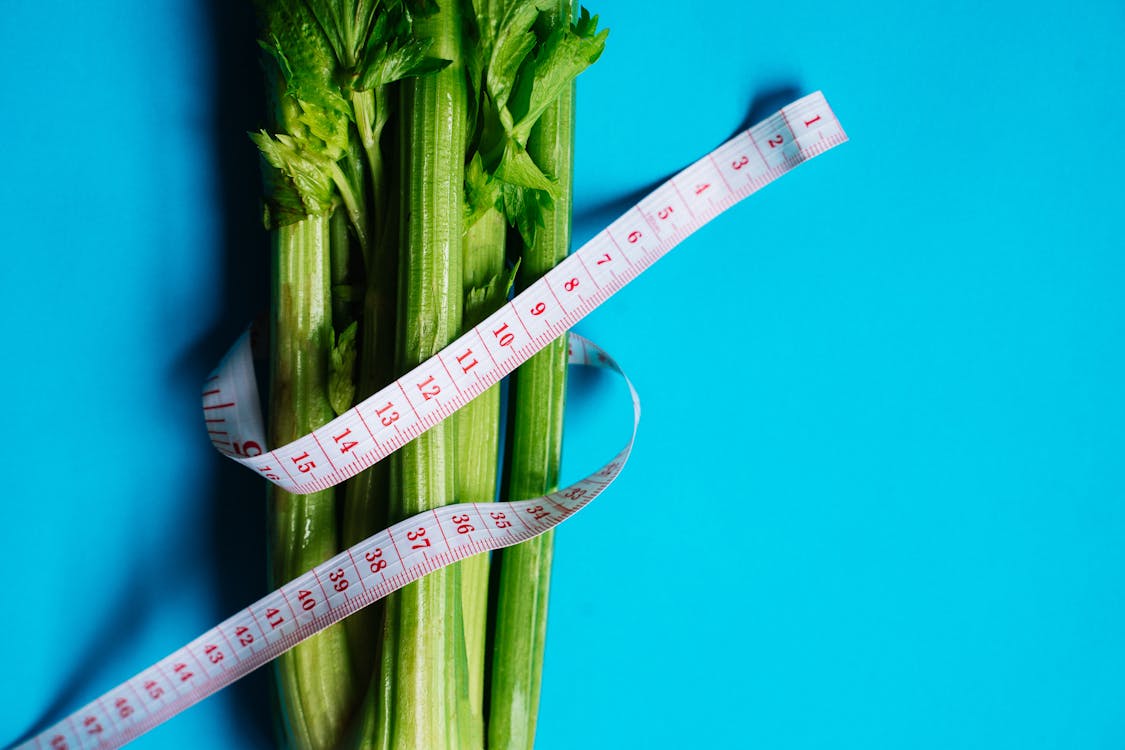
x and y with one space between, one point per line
417 165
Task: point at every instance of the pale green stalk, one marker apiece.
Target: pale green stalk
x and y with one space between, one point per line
314 679
366 495
420 676
478 448
538 392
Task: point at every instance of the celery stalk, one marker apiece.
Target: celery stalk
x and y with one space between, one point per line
478 447
538 392
419 673
305 186
314 679
365 495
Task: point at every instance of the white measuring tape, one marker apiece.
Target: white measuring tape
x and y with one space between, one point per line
411 405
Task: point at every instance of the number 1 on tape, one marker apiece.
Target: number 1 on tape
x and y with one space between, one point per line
417 401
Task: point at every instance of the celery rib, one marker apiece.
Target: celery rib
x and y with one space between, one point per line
314 679
538 396
419 670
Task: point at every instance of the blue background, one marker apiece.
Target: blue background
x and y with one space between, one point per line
877 497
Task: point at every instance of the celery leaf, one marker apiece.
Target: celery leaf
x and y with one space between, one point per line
524 209
305 170
482 301
341 378
517 168
514 41
482 192
562 56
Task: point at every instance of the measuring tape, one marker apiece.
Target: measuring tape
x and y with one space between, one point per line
416 402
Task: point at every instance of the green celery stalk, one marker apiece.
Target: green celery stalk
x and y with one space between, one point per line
305 185
537 399
421 679
314 679
478 448
366 495
376 46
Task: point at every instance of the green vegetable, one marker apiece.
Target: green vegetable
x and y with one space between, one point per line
420 670
539 386
303 182
405 138
478 446
315 677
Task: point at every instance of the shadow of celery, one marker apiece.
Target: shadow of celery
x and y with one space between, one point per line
232 504
237 499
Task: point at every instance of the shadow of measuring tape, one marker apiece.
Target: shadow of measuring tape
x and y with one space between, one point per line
770 100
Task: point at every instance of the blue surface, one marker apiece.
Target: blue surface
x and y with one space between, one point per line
922 541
